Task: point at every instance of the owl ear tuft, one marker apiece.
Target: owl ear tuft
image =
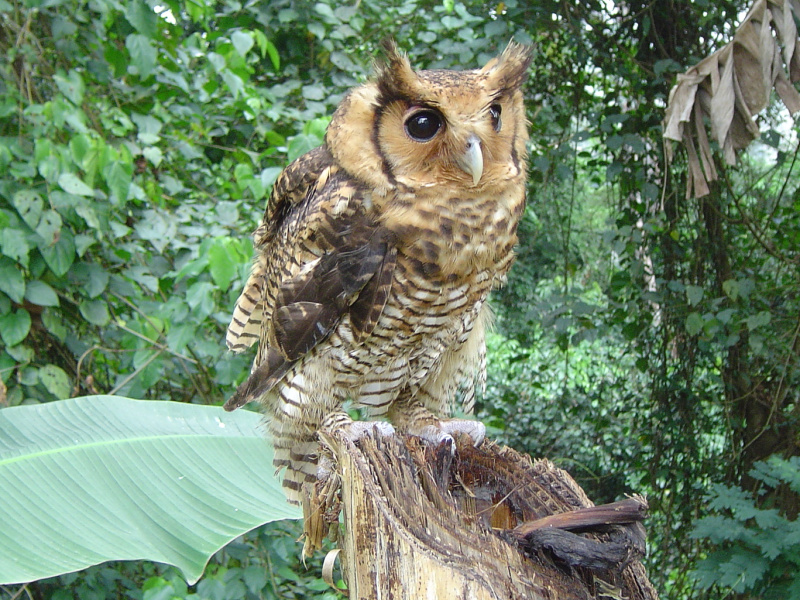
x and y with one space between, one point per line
508 71
394 76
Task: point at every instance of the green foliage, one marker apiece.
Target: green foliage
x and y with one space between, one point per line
162 481
264 563
755 549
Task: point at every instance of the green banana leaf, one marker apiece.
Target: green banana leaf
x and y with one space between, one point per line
87 480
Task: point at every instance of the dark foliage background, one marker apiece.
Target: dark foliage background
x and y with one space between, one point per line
646 342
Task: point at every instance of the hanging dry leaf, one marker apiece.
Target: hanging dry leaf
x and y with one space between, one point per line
730 87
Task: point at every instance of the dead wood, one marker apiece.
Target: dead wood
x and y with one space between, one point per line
481 523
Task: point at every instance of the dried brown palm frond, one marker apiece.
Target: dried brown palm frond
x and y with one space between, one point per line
730 87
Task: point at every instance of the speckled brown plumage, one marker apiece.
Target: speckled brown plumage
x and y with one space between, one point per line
377 252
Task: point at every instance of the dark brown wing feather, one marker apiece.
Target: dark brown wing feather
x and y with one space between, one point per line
364 312
302 325
349 272
261 380
292 187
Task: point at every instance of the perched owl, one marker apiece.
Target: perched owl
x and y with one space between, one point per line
376 254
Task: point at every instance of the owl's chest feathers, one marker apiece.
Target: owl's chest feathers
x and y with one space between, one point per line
451 235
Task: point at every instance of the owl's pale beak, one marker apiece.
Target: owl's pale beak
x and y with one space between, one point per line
471 162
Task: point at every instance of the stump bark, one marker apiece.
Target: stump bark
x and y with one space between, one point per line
482 523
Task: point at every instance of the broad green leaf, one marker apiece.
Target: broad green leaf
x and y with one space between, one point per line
731 288
142 17
221 265
79 147
694 294
694 323
273 55
217 61
49 168
54 323
116 59
325 10
14 326
87 212
255 577
20 353
269 175
60 255
118 176
143 277
758 320
154 155
267 47
95 311
157 227
14 244
200 296
233 81
71 85
49 227
38 292
148 128
180 335
29 205
73 184
300 144
196 10
12 284
94 160
103 478
55 380
242 41
83 242
92 277
29 376
143 54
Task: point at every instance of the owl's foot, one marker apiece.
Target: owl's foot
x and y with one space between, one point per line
358 429
354 430
447 429
474 429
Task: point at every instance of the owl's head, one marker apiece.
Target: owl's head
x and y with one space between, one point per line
423 128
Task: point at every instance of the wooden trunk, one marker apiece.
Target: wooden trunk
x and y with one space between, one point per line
425 523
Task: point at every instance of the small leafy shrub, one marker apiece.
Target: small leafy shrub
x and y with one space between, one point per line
756 550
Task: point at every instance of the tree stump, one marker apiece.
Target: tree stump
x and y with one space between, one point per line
480 523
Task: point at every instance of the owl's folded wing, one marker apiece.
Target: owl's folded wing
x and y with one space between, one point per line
292 187
336 261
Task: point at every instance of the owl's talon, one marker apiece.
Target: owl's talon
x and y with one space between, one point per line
435 435
325 467
358 429
474 429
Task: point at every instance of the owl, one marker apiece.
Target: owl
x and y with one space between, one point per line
376 254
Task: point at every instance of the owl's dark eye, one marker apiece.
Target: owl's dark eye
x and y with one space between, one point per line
494 112
423 125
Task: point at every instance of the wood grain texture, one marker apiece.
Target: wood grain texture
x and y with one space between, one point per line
421 523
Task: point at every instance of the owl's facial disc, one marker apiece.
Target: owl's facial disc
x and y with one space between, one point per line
471 161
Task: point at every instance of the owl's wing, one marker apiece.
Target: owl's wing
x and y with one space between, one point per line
340 262
290 188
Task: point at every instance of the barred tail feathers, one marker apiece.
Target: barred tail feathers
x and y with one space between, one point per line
297 456
248 314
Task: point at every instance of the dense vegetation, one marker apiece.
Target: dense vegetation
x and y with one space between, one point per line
646 342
